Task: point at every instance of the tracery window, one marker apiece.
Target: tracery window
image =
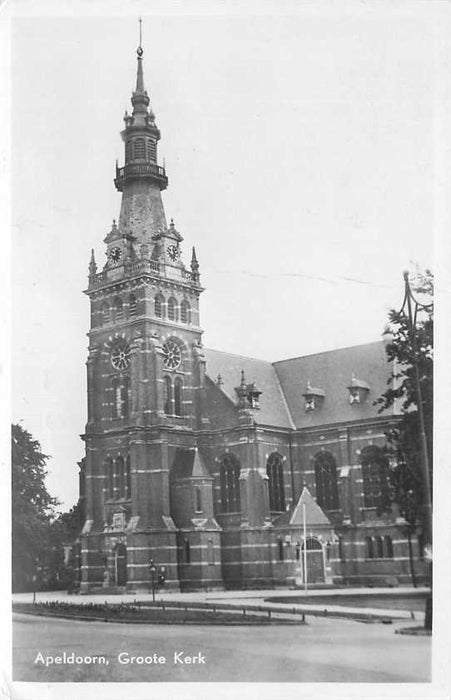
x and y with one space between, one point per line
375 477
274 470
178 397
326 481
159 306
105 312
120 397
388 546
128 478
172 309
185 312
132 304
118 309
167 395
230 484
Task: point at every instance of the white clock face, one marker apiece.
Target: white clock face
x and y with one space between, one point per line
172 355
173 253
120 355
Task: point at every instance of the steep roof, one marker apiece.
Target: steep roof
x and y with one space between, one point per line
332 372
273 408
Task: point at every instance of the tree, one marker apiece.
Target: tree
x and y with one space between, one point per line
32 507
410 350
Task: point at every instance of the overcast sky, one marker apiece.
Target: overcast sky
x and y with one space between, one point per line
301 154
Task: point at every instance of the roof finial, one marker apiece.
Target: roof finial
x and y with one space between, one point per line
139 50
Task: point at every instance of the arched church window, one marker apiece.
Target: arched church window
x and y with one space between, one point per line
132 305
128 478
274 470
118 309
187 552
159 306
379 547
151 150
388 546
109 468
185 312
139 148
230 484
369 552
167 395
105 312
326 481
120 470
280 548
172 309
375 477
178 397
198 499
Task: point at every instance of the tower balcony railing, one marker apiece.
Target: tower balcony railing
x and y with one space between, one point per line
147 170
152 267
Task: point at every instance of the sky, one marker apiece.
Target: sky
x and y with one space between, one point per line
301 148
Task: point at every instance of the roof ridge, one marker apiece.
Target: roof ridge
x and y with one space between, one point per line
327 352
244 357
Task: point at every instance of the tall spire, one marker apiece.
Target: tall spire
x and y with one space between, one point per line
140 77
140 98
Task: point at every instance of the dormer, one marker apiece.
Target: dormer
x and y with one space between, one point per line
314 398
358 390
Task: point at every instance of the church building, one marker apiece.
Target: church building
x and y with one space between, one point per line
212 470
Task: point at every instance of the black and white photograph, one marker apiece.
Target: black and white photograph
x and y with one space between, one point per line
229 400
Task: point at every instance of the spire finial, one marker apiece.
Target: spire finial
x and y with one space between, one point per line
139 50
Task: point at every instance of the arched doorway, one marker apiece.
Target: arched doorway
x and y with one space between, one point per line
315 561
120 565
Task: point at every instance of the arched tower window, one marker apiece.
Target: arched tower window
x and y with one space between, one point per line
274 470
326 481
185 312
230 484
128 151
139 149
388 546
178 397
375 477
128 478
120 397
167 395
118 309
105 312
132 305
151 150
159 306
369 548
172 309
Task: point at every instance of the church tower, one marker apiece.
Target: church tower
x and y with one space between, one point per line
145 374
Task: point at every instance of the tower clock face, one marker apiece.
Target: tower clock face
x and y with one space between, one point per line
120 355
172 355
173 253
115 254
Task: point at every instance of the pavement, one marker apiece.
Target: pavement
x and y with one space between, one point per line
258 598
321 651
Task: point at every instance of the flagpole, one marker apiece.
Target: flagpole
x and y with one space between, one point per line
305 548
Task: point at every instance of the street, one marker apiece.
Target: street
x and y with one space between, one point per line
324 650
